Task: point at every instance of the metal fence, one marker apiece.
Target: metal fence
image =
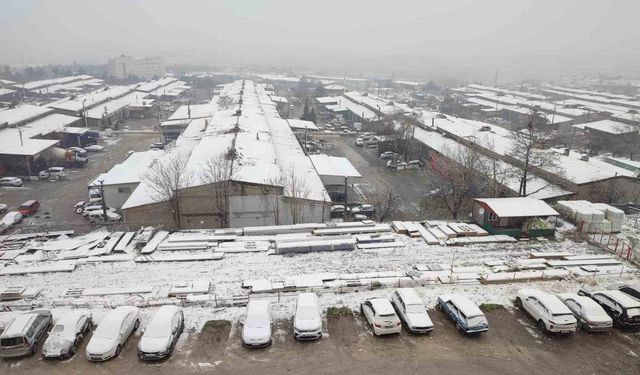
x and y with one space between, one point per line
607 241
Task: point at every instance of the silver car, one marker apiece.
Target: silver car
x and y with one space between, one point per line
10 181
66 334
161 333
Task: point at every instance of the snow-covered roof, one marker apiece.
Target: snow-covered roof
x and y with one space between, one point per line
382 306
581 171
194 111
297 124
608 126
334 166
327 99
279 99
266 147
92 99
18 324
518 207
335 86
71 86
22 113
10 143
160 325
130 170
109 107
34 85
466 306
155 84
550 301
6 91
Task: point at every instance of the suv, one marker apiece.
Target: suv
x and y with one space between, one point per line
29 207
411 310
621 307
53 173
550 313
21 337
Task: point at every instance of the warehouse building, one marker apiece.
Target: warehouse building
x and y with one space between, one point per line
270 179
123 67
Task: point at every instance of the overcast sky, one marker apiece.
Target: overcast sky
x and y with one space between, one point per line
419 38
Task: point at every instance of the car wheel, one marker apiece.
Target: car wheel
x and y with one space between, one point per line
93 223
34 347
135 327
78 210
118 349
518 302
541 325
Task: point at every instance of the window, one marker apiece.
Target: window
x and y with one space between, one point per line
124 190
491 216
30 332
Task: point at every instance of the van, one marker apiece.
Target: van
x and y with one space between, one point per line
467 316
29 207
21 336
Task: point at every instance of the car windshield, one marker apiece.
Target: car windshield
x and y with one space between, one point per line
633 311
415 309
58 328
562 315
306 312
11 341
475 320
387 315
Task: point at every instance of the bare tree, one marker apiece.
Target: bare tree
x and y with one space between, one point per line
454 178
527 153
225 102
296 188
167 178
272 189
495 170
385 204
219 173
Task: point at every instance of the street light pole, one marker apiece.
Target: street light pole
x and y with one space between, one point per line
84 114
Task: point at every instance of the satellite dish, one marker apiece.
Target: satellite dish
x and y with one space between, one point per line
481 211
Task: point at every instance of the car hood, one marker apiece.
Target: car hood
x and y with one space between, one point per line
256 334
307 324
153 344
419 320
56 346
598 317
101 346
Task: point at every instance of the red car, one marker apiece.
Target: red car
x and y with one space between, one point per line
29 207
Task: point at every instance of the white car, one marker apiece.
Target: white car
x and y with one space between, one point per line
94 148
547 310
161 333
3 208
10 181
591 316
359 142
364 209
387 155
97 216
112 332
412 310
11 218
53 172
381 316
256 330
307 323
66 334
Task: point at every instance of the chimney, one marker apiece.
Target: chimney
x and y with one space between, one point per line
433 122
566 151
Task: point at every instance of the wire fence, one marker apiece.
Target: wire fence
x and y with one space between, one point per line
607 241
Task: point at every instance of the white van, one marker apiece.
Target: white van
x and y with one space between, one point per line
307 323
256 330
21 336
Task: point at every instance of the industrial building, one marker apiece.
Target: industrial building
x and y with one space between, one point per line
123 67
272 181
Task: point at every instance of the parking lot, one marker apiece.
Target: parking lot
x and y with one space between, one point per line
58 197
513 345
407 184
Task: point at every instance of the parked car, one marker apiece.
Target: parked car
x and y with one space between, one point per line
97 216
591 316
95 196
3 208
387 155
29 207
112 332
632 290
468 317
360 217
66 334
337 210
157 145
10 219
359 142
549 312
20 338
10 181
364 209
380 315
397 165
621 307
307 323
79 207
53 173
256 330
411 310
414 164
161 333
94 148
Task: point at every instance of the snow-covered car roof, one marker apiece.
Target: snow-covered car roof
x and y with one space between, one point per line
110 325
382 306
553 303
160 324
464 304
69 322
622 298
587 303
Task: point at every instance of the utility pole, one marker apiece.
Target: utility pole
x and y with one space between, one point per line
346 188
104 206
84 114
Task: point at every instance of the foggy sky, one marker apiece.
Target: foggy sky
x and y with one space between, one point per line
520 38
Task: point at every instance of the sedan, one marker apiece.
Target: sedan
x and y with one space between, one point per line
112 332
94 148
381 316
161 334
11 218
66 334
387 155
591 316
10 181
256 330
364 209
